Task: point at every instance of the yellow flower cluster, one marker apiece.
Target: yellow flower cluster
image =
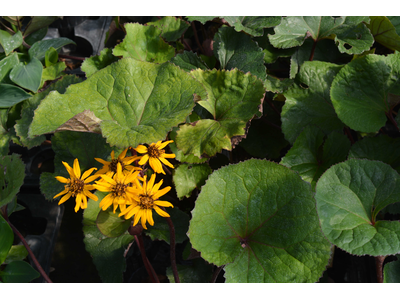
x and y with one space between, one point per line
127 189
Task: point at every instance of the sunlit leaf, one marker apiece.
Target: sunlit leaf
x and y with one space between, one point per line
110 224
384 32
95 63
258 218
17 252
10 42
252 25
189 61
172 28
6 65
188 177
349 196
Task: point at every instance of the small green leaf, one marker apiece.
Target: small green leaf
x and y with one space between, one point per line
199 271
258 218
384 32
107 253
188 177
391 271
95 63
251 24
18 272
271 53
172 28
38 22
6 65
28 75
29 106
17 252
138 102
10 42
144 43
11 95
36 36
179 156
160 230
6 239
312 154
374 77
350 33
12 173
189 61
309 103
50 57
381 147
39 49
233 99
110 224
237 50
349 196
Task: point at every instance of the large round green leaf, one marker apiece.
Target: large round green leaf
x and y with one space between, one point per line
361 91
138 102
110 224
349 196
259 218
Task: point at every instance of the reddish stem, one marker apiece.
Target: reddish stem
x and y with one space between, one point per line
379 267
148 266
313 50
348 133
197 38
216 273
390 116
72 57
35 261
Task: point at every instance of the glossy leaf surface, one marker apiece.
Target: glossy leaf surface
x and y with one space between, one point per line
384 32
10 42
39 49
349 196
28 75
259 219
11 95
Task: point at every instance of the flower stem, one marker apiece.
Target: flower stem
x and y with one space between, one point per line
148 266
216 273
35 261
172 251
197 38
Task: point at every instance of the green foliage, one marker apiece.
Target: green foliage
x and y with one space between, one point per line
110 224
12 173
188 177
6 239
349 197
10 42
172 28
28 75
384 32
391 272
252 25
95 63
18 272
259 219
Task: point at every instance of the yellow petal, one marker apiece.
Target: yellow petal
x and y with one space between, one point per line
78 201
166 162
112 155
141 149
151 183
102 161
150 216
65 198
137 217
77 169
144 159
90 195
163 203
144 217
62 193
69 169
160 212
122 155
91 178
84 202
62 179
165 144
133 211
169 155
106 202
161 192
87 173
156 165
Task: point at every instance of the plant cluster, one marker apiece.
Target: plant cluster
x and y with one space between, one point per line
284 133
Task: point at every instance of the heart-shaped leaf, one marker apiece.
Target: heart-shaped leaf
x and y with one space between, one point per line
360 91
384 32
233 99
111 225
144 43
259 219
252 25
188 177
172 28
237 50
349 196
6 239
350 33
381 147
10 42
18 272
28 75
39 49
138 102
12 173
11 95
312 154
310 103
107 253
6 65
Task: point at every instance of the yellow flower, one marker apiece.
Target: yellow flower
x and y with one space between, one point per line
119 188
155 155
111 166
144 200
77 186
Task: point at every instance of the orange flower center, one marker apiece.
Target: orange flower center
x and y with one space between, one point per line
153 151
114 163
76 186
119 189
146 202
